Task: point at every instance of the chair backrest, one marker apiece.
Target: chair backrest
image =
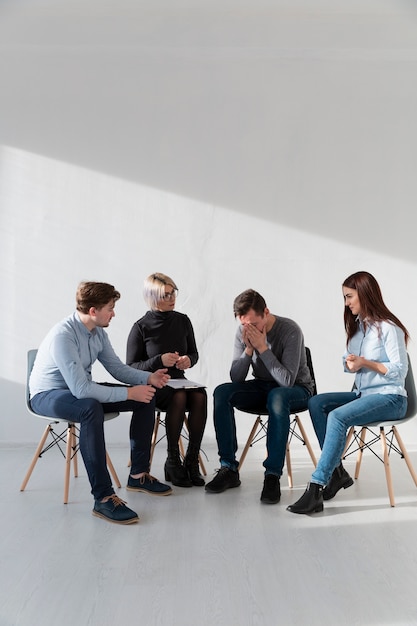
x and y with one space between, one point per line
411 391
31 356
310 367
410 388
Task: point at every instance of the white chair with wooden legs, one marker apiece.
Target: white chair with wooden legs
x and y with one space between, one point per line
387 434
260 426
258 432
66 440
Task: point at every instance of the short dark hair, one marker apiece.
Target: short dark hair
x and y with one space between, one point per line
91 294
249 299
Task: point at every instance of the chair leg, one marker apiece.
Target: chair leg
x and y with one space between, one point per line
362 437
112 470
348 440
36 457
303 437
387 465
68 457
249 441
405 454
203 467
200 459
154 437
306 440
74 453
289 466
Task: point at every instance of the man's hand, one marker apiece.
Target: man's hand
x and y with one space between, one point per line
249 347
183 363
141 393
255 338
159 378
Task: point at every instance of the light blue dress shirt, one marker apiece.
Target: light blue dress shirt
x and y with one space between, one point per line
65 359
383 342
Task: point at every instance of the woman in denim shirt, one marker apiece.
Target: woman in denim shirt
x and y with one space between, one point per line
377 354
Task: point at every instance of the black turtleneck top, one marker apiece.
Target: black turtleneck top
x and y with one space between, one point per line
156 333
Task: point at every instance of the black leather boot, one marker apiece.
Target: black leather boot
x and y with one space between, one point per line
175 470
310 502
340 479
193 467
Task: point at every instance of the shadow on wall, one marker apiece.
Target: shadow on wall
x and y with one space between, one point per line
14 411
310 133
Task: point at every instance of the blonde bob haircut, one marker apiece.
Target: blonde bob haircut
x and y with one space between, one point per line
154 289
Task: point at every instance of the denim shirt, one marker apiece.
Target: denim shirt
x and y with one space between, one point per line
382 342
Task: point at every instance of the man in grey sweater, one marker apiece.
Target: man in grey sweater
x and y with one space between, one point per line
274 347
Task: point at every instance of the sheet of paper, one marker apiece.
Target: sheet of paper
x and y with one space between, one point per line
183 383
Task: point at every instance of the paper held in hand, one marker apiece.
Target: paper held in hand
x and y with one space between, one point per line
183 383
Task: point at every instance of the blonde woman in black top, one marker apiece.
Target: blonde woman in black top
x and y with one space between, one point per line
164 338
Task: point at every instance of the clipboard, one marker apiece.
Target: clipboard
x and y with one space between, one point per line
183 383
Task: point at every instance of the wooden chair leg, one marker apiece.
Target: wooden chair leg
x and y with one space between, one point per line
348 440
249 441
306 440
405 454
68 458
112 470
74 458
289 466
362 437
387 465
74 453
200 458
36 457
154 437
202 466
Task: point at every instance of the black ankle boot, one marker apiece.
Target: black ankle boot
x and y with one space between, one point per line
175 470
193 467
310 502
340 479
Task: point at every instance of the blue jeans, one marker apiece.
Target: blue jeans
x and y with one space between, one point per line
333 413
279 402
89 413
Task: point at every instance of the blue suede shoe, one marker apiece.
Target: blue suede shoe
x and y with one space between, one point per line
115 510
148 484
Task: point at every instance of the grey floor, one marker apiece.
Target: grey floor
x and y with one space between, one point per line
201 559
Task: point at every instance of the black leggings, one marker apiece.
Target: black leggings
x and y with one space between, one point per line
175 403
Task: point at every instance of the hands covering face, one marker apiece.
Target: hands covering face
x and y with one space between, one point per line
253 337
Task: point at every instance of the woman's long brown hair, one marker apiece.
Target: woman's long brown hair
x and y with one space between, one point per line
373 307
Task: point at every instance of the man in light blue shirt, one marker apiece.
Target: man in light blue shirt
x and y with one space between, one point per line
61 385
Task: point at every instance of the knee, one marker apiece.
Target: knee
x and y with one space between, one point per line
315 405
337 423
178 401
91 410
277 404
222 393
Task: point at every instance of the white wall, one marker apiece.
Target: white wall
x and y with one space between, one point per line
229 144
